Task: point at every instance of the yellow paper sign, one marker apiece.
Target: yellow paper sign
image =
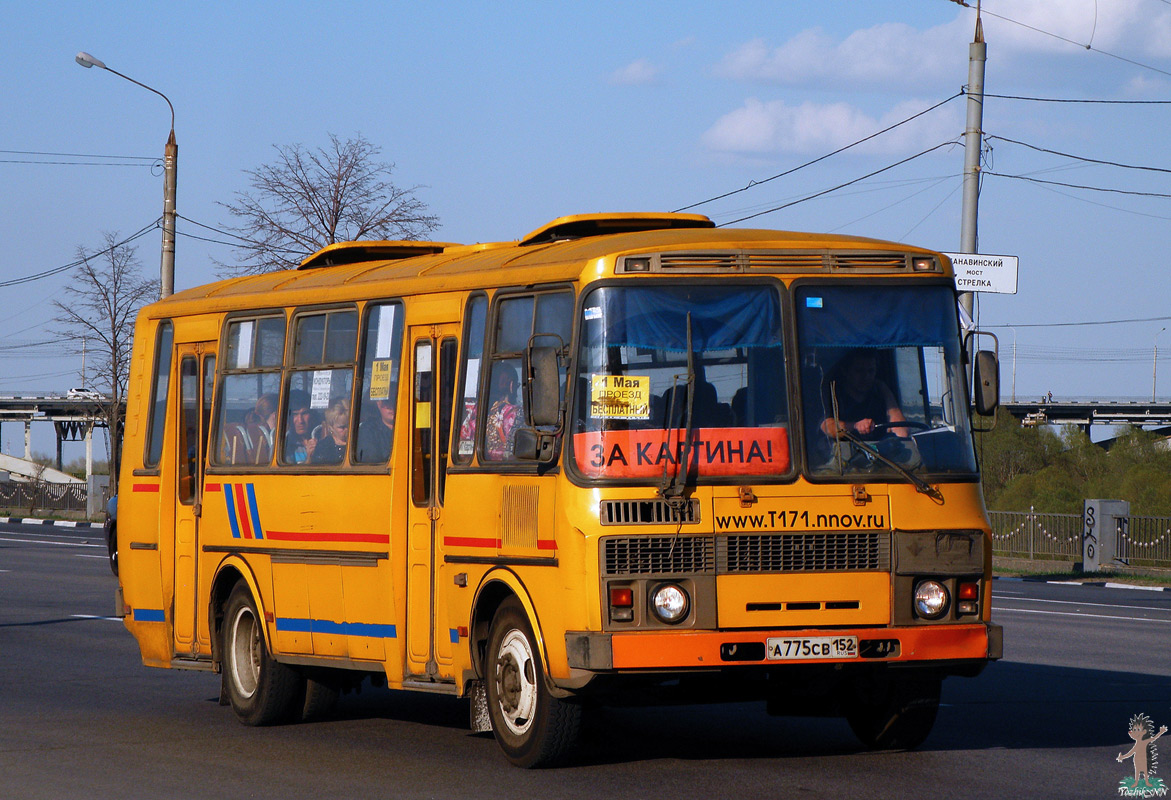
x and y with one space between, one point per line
380 379
620 396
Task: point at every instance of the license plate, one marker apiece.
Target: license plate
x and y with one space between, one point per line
805 648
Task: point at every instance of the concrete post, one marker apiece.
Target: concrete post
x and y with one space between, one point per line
1100 532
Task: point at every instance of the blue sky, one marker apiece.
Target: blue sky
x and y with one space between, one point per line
509 115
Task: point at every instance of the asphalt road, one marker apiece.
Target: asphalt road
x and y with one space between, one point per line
80 716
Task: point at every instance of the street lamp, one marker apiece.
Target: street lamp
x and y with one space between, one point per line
1013 363
170 168
1155 363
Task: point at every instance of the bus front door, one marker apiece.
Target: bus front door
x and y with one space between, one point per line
433 354
196 376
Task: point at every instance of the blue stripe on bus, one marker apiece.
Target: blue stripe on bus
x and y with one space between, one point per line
149 615
229 500
305 625
453 634
257 531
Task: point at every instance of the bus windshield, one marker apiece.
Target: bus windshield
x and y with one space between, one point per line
882 380
651 354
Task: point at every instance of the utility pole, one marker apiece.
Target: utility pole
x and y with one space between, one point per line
973 141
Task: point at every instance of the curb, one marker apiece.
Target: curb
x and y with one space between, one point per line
1100 584
60 523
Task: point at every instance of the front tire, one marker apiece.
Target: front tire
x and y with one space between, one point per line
532 727
894 713
261 690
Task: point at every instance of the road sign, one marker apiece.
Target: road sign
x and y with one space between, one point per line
981 273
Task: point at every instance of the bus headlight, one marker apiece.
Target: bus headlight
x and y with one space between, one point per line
930 599
670 603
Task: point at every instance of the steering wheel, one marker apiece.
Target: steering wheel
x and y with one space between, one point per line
883 427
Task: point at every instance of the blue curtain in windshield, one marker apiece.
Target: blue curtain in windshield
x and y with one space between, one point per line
875 316
722 318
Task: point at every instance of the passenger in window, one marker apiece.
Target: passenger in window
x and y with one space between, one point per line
299 440
376 433
250 441
502 414
332 448
866 406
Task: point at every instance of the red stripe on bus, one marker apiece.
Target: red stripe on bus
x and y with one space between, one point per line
546 544
212 487
467 541
303 536
242 511
145 487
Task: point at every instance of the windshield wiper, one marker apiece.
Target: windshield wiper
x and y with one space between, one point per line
673 490
921 485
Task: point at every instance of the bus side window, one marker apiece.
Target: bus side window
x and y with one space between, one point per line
248 392
467 401
160 385
548 316
377 409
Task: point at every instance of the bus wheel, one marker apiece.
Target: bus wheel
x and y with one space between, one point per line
532 727
261 690
894 713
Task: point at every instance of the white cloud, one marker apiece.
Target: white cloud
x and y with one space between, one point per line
636 73
896 55
760 128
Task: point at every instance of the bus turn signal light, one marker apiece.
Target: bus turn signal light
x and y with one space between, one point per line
968 591
621 603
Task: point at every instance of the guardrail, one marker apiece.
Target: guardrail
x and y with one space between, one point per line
41 497
1144 541
1036 535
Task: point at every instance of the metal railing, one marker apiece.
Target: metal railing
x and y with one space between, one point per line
1144 541
42 497
1032 534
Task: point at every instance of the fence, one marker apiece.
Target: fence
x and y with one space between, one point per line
1144 541
1030 534
42 497
1138 541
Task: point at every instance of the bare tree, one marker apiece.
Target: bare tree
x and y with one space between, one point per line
307 199
97 312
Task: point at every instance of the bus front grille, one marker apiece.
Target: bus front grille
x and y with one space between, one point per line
805 552
658 555
647 512
845 551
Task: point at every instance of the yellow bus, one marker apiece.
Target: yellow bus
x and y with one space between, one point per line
628 456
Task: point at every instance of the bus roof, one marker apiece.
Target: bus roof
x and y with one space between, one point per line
557 252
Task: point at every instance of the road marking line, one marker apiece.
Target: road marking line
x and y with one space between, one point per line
1092 605
44 541
95 616
1075 614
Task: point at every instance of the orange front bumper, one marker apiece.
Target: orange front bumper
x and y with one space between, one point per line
699 649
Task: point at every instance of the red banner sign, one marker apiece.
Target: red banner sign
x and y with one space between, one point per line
714 451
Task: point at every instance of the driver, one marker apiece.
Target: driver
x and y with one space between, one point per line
863 401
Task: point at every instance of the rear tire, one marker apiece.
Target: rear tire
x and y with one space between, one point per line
320 700
261 690
532 727
894 712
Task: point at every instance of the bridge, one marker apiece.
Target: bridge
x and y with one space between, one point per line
74 416
1084 413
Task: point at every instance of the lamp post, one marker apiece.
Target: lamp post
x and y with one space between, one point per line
1013 363
170 169
1155 363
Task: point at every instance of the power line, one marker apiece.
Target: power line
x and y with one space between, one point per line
1078 324
71 265
1077 100
1079 158
948 143
1083 45
821 158
1073 185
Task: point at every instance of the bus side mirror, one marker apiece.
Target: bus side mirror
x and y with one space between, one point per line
530 444
544 387
987 380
